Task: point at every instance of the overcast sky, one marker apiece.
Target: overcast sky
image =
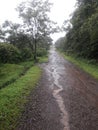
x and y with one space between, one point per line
59 12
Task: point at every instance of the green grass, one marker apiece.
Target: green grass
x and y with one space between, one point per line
21 79
43 59
13 98
84 64
27 64
10 72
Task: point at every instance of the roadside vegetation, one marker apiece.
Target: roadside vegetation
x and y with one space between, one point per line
14 96
11 72
87 65
16 82
80 45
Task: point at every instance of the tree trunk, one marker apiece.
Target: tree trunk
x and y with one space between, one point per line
35 51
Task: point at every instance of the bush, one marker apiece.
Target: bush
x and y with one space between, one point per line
26 53
41 52
9 53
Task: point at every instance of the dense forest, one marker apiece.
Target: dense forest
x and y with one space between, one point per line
81 38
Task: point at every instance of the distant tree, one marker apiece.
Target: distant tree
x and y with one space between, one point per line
60 43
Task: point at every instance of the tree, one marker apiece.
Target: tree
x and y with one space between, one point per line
2 34
36 20
11 30
82 36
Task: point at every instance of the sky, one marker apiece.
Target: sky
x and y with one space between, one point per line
60 11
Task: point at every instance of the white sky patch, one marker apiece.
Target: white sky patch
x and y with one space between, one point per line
7 10
59 12
62 9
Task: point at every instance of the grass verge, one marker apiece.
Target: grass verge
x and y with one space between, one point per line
13 98
84 64
10 72
43 59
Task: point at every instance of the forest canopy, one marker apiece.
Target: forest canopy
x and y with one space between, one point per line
82 31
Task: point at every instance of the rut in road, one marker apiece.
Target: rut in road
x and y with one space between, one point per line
66 98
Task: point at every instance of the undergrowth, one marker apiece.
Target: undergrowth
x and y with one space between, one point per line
86 65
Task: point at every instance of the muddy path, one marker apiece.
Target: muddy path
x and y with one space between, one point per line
66 98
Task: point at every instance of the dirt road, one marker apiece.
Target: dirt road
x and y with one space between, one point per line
65 99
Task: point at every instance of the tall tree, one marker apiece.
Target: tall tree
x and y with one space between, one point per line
36 20
82 37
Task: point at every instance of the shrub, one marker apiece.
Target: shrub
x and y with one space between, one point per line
26 53
9 53
41 52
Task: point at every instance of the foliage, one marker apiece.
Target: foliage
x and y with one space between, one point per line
88 66
60 43
9 53
34 32
36 21
26 53
82 37
13 98
41 52
20 40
